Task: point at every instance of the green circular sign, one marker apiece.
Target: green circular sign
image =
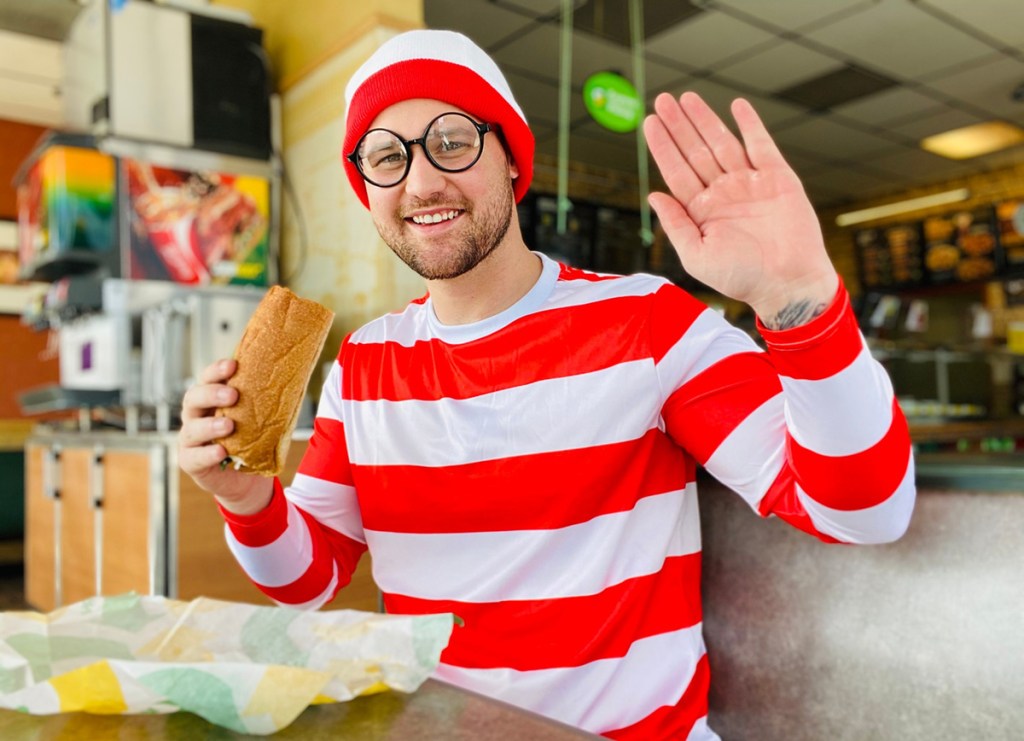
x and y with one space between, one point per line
613 102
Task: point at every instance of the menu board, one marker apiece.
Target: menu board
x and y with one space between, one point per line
890 256
1010 226
961 247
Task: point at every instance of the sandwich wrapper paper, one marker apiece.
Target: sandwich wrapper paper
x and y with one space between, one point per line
248 668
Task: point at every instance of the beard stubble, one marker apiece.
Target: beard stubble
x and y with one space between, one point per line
488 226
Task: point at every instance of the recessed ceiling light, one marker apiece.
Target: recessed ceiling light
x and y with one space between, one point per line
972 141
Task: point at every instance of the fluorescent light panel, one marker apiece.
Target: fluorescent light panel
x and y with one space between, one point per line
899 207
973 141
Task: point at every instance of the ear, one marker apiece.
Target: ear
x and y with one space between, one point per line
513 170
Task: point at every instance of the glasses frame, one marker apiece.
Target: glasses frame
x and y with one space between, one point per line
481 128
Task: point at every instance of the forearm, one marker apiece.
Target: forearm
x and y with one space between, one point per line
848 449
808 431
289 555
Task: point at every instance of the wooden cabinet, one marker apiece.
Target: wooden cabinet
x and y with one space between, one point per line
40 527
92 519
106 514
76 536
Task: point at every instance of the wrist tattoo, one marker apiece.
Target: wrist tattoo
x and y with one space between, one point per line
795 314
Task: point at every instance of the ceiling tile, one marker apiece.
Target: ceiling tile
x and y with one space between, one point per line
659 78
843 85
894 104
822 134
987 86
846 181
612 19
539 99
935 121
535 7
999 19
491 24
773 112
538 53
778 67
916 165
706 40
803 164
792 15
720 96
899 39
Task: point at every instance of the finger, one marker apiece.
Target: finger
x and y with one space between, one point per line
726 148
200 432
678 226
198 459
762 151
218 371
204 400
693 147
679 176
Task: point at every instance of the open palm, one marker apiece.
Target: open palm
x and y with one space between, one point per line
736 212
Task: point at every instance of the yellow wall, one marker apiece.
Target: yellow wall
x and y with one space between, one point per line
301 35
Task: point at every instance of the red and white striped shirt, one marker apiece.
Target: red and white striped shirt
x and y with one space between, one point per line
534 473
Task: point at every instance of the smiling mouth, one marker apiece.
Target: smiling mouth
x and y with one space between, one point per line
434 218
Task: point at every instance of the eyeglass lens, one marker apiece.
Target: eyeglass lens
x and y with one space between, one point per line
451 142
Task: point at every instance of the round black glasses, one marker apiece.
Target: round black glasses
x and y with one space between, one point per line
453 142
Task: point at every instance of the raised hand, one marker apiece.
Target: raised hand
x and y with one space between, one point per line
200 457
736 212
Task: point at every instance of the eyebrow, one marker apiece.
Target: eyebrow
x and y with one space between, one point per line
384 146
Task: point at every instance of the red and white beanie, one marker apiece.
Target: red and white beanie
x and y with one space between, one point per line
441 65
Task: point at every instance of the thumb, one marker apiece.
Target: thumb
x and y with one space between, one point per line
679 227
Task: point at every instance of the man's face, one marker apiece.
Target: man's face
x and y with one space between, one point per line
475 206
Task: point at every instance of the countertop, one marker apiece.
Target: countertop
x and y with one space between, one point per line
435 712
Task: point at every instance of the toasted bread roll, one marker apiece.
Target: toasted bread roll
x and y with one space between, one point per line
276 355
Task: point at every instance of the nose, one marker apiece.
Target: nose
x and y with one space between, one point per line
423 180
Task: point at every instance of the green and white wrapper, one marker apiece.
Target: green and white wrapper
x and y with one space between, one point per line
248 668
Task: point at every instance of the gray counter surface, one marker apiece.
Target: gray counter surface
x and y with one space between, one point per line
435 712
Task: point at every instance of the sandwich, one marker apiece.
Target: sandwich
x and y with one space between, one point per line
276 356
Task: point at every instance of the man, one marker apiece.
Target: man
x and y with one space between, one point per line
519 447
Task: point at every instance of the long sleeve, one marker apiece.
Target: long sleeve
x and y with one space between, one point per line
536 472
808 431
306 544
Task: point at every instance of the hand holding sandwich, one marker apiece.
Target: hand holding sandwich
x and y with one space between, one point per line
239 418
201 456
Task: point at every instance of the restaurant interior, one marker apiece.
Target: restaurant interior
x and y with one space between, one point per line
904 120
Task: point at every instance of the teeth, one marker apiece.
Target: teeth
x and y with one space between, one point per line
434 218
